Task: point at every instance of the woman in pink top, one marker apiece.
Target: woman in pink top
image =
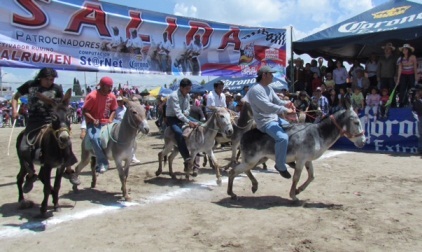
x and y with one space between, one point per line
372 102
407 73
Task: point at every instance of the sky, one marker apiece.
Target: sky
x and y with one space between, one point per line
305 16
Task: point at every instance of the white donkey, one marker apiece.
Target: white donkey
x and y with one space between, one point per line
201 139
120 144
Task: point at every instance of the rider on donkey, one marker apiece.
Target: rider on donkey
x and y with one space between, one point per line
266 106
42 95
99 109
177 114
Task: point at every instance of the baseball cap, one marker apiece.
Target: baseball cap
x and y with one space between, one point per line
266 69
106 81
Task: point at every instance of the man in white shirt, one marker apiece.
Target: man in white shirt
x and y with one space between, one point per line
216 98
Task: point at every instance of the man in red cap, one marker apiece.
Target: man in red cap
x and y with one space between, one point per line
99 109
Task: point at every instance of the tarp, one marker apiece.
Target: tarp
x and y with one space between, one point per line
235 84
98 36
397 21
399 133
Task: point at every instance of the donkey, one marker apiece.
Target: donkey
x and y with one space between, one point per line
51 142
307 142
200 139
120 144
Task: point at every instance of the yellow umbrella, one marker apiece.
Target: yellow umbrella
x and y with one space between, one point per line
155 92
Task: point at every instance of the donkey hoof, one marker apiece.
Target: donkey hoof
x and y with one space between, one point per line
57 209
194 173
157 173
254 189
128 198
219 181
297 191
93 185
173 176
75 188
25 204
234 197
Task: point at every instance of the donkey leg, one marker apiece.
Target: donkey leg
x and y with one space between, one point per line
45 177
296 177
310 168
173 154
56 189
23 203
93 171
213 160
236 170
160 164
85 159
253 180
123 174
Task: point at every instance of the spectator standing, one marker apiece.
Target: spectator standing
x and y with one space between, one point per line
322 103
371 70
386 70
407 73
360 81
329 82
340 76
316 82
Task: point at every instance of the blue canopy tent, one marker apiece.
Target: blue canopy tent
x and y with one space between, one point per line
236 84
397 21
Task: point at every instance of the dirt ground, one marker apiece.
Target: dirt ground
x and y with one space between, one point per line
357 202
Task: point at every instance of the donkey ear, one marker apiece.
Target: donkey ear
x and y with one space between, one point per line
67 95
212 108
125 99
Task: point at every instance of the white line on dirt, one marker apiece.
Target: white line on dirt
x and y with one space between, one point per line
33 227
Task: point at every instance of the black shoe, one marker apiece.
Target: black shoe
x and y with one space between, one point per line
29 183
285 174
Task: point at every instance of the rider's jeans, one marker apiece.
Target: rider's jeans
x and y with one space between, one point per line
176 126
94 137
281 139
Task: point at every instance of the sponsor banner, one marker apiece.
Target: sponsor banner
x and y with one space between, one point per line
97 36
398 133
399 15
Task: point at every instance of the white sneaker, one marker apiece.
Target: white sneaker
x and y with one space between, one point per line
135 160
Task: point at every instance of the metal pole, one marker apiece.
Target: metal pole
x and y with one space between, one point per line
1 83
292 67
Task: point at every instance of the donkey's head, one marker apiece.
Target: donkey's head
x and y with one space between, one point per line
60 122
136 115
353 126
223 120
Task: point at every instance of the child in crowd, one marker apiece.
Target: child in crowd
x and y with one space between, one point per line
357 100
329 82
372 102
383 103
316 82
